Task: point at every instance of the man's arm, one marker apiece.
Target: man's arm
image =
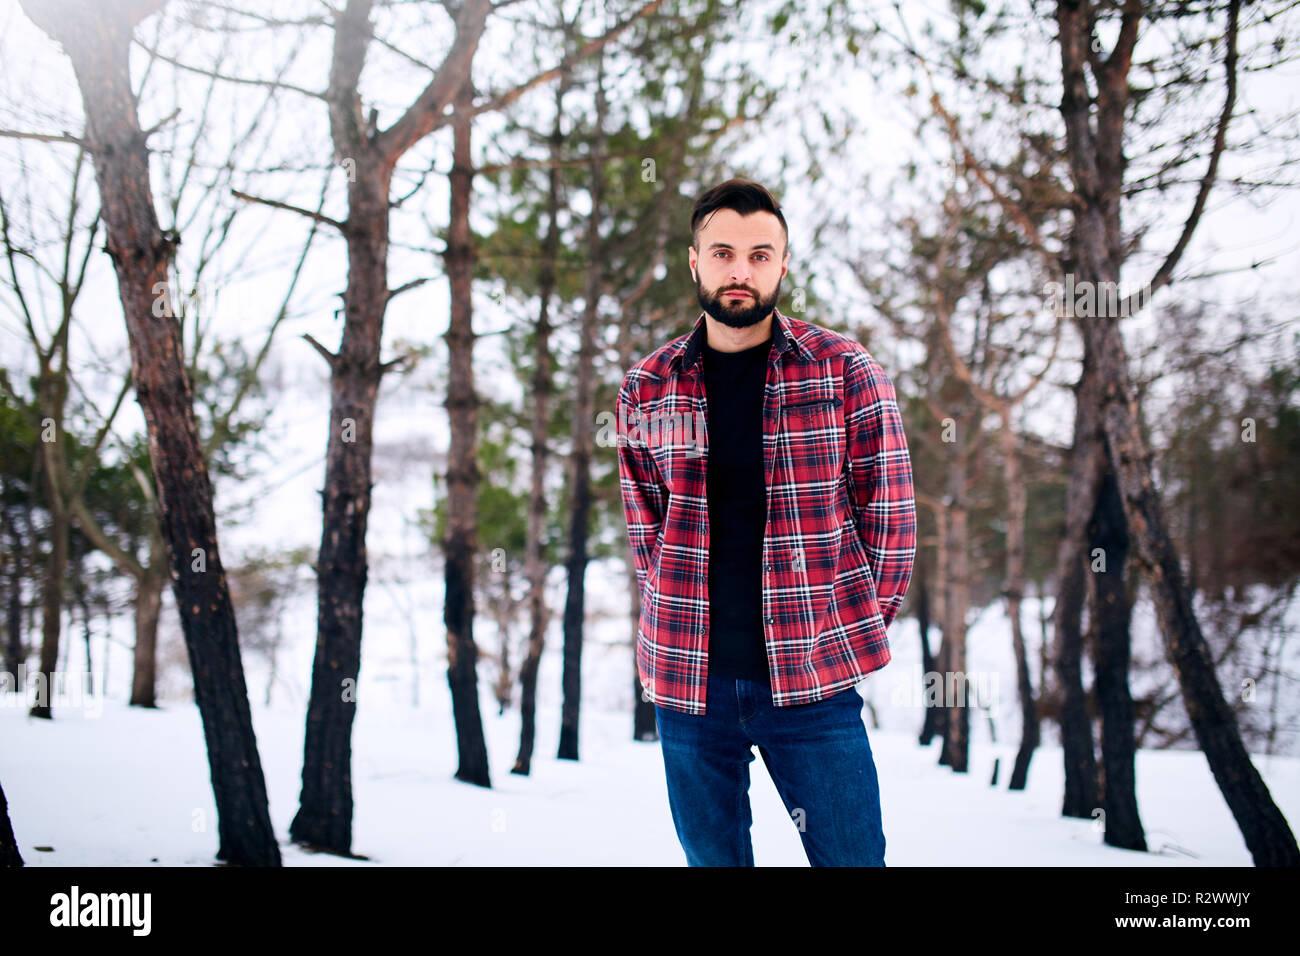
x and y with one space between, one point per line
644 496
879 479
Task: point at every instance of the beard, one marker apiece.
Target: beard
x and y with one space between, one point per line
737 313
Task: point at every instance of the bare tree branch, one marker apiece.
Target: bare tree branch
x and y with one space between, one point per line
241 80
221 423
427 113
407 286
275 203
329 357
1164 273
162 122
502 100
43 137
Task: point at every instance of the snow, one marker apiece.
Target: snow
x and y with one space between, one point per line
110 785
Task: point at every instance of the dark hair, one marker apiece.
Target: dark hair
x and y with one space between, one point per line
742 195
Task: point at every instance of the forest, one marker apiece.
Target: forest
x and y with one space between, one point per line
315 314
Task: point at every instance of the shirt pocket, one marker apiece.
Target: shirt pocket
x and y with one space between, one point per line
812 427
811 408
677 438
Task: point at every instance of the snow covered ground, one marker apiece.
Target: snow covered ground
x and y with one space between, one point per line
131 788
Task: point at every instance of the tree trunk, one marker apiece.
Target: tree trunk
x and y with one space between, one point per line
1264 828
15 653
538 615
85 627
1087 459
502 608
1094 127
1123 827
1045 689
56 563
12 563
935 709
148 609
1014 591
324 817
462 468
929 725
940 711
9 855
52 392
150 579
580 461
956 741
97 40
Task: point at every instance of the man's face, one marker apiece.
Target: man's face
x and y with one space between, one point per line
739 266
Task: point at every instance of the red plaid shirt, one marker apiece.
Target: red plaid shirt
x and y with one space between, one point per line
841 522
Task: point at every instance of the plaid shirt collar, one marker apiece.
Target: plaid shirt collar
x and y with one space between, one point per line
688 350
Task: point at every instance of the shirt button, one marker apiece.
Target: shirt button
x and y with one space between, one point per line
771 620
769 565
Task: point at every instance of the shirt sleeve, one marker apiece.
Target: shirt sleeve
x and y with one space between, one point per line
644 495
879 470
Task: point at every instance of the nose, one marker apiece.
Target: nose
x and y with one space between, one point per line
740 272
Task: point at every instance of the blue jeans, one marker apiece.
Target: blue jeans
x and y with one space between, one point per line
817 755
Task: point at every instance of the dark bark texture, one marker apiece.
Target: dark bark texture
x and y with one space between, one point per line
462 471
97 40
324 817
1094 126
1109 533
9 855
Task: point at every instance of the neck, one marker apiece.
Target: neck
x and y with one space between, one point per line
723 338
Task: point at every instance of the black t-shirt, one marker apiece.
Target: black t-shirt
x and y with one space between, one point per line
734 384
